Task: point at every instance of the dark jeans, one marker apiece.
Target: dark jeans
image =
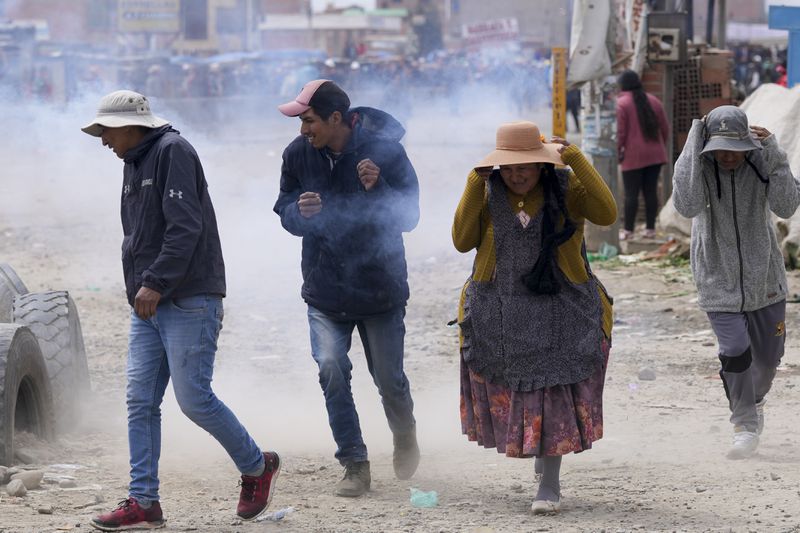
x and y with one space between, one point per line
382 337
646 180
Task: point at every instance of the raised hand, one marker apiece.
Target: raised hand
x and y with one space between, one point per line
368 173
310 204
759 132
560 140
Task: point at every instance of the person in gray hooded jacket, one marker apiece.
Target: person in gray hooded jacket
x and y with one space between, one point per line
727 179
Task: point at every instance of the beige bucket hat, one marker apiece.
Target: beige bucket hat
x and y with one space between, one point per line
123 108
521 142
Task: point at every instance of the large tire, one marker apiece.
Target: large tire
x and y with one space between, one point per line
26 402
10 286
53 318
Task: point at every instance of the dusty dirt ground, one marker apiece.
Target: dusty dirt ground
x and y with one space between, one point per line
661 465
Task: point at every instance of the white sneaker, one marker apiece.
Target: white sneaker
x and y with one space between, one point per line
760 413
545 507
744 443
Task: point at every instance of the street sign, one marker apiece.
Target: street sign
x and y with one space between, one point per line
151 16
788 18
491 31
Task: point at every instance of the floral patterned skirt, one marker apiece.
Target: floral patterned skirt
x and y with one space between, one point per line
551 421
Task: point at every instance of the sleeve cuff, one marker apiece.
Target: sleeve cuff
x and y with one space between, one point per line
153 286
474 178
572 155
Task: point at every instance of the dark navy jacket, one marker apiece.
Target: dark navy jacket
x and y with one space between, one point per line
353 260
171 243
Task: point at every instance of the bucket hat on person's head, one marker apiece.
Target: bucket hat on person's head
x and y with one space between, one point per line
123 108
727 129
519 143
319 94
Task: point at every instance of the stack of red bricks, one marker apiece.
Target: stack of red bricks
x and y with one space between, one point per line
700 85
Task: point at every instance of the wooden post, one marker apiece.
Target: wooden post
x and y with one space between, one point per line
558 60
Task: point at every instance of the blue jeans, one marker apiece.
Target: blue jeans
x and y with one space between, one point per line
179 341
382 337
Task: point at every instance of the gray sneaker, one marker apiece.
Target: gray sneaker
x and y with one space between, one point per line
760 413
356 480
406 454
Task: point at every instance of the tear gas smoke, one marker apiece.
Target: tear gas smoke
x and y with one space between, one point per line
60 192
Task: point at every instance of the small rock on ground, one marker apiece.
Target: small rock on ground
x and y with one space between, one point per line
16 488
647 374
31 478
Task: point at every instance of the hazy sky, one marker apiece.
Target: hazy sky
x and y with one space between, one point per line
319 5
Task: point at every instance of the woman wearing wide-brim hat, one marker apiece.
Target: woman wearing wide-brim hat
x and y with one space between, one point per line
535 322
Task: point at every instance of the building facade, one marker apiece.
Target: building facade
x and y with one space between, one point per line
185 27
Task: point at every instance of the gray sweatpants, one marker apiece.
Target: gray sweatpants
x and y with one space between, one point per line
750 349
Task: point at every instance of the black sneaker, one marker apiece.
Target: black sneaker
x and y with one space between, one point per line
356 480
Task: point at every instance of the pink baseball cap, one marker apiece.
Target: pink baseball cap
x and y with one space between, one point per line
301 103
325 93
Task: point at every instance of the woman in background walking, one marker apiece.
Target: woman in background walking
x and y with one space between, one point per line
642 133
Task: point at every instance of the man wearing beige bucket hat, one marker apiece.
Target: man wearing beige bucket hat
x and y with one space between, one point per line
730 179
535 322
175 282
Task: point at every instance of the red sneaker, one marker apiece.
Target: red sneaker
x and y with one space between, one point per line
257 491
129 515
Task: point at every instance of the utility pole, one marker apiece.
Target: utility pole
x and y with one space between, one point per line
710 22
690 23
722 27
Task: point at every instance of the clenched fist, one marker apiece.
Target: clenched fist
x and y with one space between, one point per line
368 173
310 204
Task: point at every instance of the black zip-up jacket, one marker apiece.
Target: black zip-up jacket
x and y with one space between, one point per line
171 243
353 260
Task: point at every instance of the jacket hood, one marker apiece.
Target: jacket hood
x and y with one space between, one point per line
138 151
373 124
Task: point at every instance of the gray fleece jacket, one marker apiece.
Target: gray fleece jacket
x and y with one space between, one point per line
736 260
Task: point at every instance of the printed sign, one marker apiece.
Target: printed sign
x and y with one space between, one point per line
160 16
495 30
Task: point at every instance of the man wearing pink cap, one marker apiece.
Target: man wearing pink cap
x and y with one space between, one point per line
349 190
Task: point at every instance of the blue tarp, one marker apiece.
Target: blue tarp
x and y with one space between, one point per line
295 54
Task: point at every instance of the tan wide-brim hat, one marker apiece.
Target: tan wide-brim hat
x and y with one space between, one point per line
123 108
519 143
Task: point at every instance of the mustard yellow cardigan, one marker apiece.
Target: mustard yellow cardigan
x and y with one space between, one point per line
587 198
